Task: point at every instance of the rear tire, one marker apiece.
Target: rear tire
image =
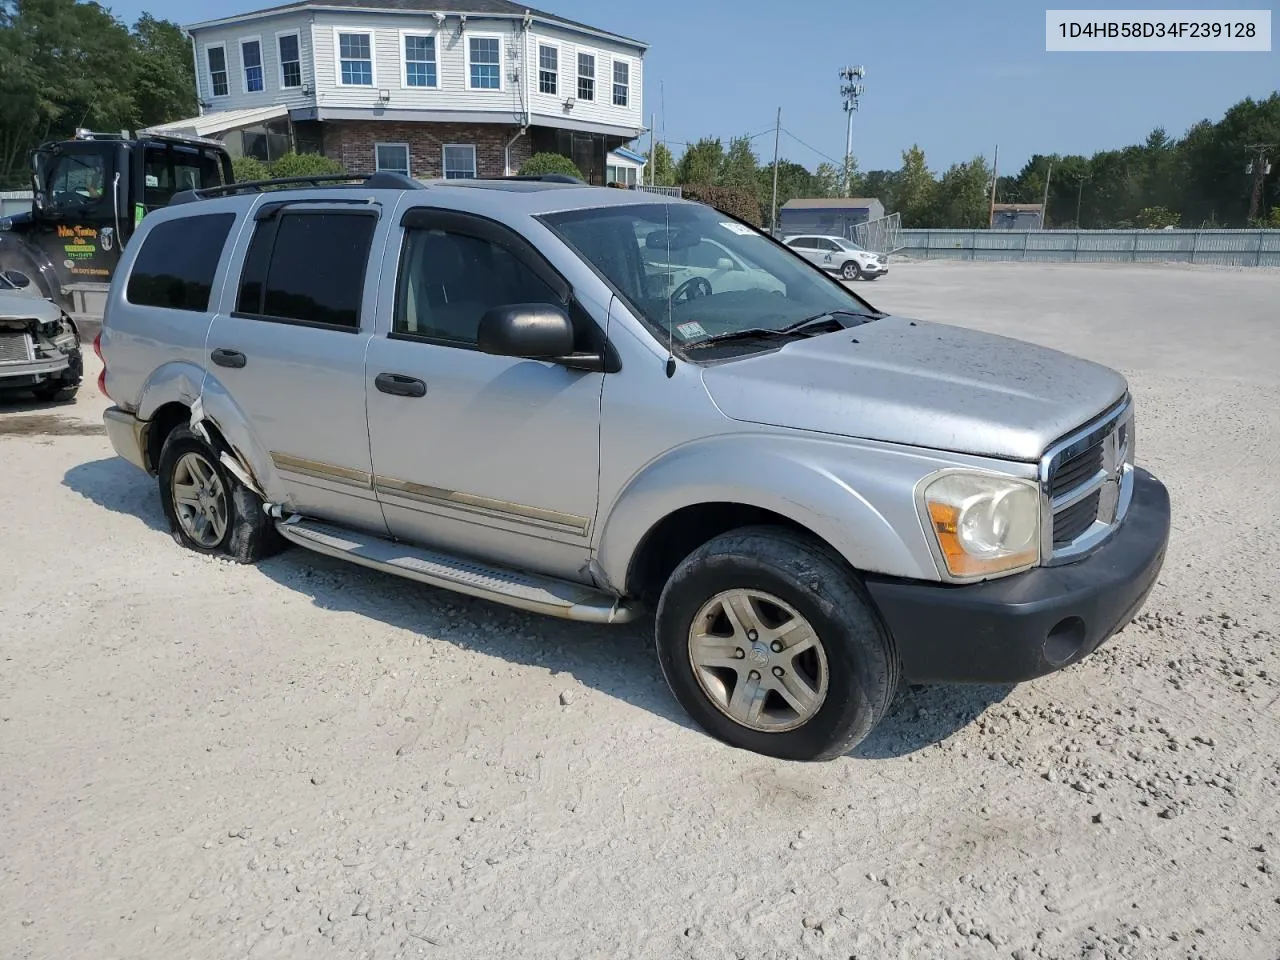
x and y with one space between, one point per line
747 688
208 509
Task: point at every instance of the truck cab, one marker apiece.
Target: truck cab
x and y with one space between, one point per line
90 194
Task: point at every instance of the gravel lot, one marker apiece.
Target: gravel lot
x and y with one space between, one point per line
305 759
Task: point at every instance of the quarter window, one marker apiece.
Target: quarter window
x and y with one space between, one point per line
419 61
177 263
217 58
393 157
621 83
486 63
307 268
251 55
548 70
459 161
355 56
290 61
449 280
586 76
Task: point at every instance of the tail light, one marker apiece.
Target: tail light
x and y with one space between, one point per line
102 377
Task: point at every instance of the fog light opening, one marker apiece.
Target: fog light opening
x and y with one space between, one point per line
1064 641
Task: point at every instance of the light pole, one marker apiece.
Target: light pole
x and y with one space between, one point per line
851 89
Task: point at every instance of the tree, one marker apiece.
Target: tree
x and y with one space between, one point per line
914 186
701 162
662 170
794 181
543 163
1157 218
827 180
961 198
165 85
879 184
739 167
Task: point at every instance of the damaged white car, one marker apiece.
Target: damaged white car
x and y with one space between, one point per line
39 344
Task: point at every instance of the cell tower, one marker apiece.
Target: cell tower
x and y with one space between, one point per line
851 89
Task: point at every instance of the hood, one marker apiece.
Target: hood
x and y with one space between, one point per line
20 305
920 384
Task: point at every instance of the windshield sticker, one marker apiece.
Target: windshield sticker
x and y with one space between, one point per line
690 330
740 229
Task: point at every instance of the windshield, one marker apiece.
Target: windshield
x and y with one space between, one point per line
695 275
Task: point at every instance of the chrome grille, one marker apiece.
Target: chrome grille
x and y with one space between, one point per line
15 347
1086 481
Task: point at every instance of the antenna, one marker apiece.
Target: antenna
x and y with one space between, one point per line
851 89
671 347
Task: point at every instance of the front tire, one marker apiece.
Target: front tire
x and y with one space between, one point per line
767 639
851 271
208 509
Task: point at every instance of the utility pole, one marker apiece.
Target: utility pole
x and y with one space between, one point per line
1260 166
777 135
1044 205
1080 182
653 157
851 90
995 179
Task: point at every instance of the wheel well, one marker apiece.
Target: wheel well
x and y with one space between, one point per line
160 426
680 533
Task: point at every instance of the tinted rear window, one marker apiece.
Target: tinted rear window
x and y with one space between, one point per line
308 268
178 259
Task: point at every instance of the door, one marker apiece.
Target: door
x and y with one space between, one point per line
286 358
481 455
77 219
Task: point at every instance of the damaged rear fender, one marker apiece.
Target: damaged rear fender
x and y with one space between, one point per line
216 414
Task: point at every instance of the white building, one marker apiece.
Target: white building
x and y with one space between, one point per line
470 88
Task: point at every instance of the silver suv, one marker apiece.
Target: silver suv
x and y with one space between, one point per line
531 392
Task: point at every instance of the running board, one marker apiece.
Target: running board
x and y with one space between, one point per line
545 595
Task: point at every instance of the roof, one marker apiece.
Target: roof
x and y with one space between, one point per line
478 8
1019 207
830 203
219 122
631 155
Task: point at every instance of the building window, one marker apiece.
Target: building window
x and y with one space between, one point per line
586 76
217 57
548 70
392 157
251 55
419 61
355 54
621 174
621 83
290 61
485 63
459 161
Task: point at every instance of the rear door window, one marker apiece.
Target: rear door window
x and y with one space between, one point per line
176 265
308 268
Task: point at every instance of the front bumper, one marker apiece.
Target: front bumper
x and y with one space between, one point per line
1033 623
127 435
31 371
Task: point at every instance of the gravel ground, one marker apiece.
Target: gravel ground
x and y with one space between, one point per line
305 759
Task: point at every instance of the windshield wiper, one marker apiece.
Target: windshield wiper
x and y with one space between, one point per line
751 333
822 319
800 326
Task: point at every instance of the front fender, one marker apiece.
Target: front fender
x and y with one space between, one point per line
17 254
855 495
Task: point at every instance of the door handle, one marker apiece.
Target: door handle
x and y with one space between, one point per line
227 358
399 385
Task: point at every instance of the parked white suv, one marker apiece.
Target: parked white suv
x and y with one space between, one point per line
840 256
559 397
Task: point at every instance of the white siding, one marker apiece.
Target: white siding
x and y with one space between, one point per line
453 92
266 29
601 110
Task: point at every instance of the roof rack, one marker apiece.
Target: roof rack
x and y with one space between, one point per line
543 178
382 180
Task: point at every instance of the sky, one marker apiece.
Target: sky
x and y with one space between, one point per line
957 77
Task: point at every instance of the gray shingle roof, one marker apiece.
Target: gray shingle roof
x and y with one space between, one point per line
501 8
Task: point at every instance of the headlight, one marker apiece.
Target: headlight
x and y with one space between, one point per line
983 524
6 223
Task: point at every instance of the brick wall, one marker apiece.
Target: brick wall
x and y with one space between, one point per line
351 142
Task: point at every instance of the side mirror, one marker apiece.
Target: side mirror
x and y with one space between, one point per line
724 263
535 331
17 279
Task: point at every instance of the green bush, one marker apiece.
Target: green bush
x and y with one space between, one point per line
246 169
731 200
304 165
543 163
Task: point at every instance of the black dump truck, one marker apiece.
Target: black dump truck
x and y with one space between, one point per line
90 193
